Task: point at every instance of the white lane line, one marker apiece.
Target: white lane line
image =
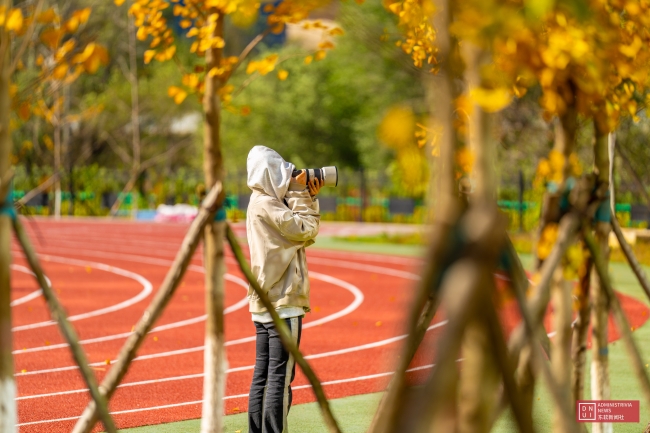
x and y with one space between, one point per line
370 345
369 268
189 403
147 288
35 294
358 299
368 257
171 248
235 369
240 304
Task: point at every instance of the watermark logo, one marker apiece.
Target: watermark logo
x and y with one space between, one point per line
607 410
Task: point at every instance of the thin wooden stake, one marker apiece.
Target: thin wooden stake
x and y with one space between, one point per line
285 335
620 319
627 249
533 334
505 364
61 318
162 297
569 225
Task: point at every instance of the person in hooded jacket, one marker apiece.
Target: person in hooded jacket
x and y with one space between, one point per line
279 225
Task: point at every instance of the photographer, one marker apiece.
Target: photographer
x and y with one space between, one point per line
279 225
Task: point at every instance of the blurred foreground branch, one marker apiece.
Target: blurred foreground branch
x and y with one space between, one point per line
160 300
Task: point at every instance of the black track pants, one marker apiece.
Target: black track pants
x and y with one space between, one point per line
270 395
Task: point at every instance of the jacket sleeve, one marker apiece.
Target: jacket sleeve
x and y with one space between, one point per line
299 222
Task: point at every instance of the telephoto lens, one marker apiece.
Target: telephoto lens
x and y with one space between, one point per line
329 175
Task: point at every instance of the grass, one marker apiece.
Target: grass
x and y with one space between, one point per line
355 413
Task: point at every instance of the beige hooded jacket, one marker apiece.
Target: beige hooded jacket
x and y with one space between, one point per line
279 225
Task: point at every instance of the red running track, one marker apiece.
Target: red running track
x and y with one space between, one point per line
105 272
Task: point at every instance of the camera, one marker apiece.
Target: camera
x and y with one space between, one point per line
329 176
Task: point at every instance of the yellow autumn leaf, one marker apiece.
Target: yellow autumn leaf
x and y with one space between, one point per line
51 37
46 17
119 2
191 80
148 55
185 24
320 55
180 97
251 67
60 72
82 15
397 128
14 20
92 64
72 24
283 74
177 93
141 34
308 60
85 54
491 100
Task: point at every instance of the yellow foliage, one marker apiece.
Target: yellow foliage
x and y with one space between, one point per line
397 128
51 37
200 19
47 17
148 55
491 100
282 74
574 262
60 71
14 21
177 93
547 240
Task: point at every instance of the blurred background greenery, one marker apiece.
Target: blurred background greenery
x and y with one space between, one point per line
334 111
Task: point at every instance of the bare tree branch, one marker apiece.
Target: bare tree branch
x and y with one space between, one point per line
124 156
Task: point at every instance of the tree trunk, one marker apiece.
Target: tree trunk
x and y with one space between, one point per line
65 145
561 343
478 379
440 93
600 389
8 415
579 339
57 155
565 131
215 352
135 110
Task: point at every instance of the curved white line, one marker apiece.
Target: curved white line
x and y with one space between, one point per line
358 299
369 268
35 294
189 403
237 369
243 302
146 291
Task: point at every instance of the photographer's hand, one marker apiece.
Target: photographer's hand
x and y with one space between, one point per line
315 186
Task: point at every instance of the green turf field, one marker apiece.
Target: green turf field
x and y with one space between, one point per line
355 413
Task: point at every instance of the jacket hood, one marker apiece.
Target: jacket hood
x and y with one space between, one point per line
268 173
